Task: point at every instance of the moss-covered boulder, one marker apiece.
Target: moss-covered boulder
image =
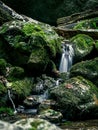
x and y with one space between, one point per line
31 45
29 124
76 98
83 45
36 124
22 88
88 69
19 89
51 115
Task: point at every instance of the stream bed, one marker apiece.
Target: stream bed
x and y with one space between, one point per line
80 125
66 125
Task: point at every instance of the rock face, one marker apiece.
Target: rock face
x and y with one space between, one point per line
76 98
49 11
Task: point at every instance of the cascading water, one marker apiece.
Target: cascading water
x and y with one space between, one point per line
66 59
9 95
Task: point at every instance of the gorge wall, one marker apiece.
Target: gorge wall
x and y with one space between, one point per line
49 11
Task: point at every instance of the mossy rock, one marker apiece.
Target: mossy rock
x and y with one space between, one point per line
88 69
3 65
75 98
83 45
22 88
51 115
3 94
35 124
15 73
19 89
30 45
96 46
87 24
38 61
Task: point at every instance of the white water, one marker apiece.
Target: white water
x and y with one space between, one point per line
43 96
57 83
9 95
66 58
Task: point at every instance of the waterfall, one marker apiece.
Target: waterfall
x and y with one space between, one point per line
43 96
58 81
66 58
9 95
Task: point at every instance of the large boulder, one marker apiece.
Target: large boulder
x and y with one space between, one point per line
36 124
19 89
29 124
83 45
76 98
31 45
88 69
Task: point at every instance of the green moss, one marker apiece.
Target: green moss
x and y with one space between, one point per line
31 28
6 110
96 45
83 45
46 32
87 24
2 88
35 124
22 87
3 65
87 69
15 72
31 45
3 29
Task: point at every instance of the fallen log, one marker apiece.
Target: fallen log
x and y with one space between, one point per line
68 33
77 17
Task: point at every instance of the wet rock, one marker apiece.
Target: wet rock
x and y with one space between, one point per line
48 81
47 104
51 115
31 101
38 87
36 124
76 98
7 126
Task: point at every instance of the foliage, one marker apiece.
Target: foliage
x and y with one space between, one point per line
22 87
15 73
6 110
